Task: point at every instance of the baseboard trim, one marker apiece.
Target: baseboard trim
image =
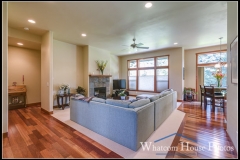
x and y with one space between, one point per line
171 154
55 106
47 112
33 104
178 100
5 135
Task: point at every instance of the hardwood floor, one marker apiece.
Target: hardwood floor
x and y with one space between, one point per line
34 134
205 128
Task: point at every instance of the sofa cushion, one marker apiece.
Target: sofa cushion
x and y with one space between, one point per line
144 96
99 100
139 103
154 98
119 103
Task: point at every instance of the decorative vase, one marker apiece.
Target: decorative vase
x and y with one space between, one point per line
122 97
219 83
101 71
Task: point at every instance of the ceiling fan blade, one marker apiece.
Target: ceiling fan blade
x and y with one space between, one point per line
139 44
143 47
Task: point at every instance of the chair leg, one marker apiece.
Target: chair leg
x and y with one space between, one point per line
205 103
213 105
201 101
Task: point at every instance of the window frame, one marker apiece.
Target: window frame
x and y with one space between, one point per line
155 67
206 64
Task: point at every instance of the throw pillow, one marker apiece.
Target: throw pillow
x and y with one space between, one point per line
154 98
119 103
166 90
162 94
139 103
132 100
99 100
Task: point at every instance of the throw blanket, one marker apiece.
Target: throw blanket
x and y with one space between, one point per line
86 99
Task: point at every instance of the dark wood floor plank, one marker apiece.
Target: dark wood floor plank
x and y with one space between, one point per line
204 126
37 143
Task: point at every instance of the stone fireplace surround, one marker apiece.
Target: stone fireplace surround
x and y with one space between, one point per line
99 81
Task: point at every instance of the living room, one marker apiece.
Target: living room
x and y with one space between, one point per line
57 61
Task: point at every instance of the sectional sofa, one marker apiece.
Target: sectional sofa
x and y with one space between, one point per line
127 123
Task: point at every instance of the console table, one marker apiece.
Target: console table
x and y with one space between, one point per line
67 97
17 96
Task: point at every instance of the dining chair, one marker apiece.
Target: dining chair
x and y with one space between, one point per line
209 93
202 94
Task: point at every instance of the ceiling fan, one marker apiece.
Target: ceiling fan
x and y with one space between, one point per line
134 45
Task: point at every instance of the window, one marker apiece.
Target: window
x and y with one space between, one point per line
148 74
210 80
207 61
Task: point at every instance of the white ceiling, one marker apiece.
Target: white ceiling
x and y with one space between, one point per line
112 25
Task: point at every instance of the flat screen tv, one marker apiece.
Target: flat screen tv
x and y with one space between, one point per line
119 84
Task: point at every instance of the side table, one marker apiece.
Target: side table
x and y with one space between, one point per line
67 97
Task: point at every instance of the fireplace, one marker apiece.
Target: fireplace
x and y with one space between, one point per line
100 92
99 81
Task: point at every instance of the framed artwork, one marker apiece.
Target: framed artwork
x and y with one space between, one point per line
234 60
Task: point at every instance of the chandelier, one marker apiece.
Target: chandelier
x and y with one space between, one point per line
220 64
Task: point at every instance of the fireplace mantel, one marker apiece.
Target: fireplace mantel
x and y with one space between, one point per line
99 75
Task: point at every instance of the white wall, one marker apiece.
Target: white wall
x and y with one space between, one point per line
232 89
27 62
175 67
46 71
4 67
67 66
190 63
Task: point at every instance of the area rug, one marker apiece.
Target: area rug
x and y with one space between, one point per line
150 149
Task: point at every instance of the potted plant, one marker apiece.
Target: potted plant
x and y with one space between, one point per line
80 90
122 95
189 93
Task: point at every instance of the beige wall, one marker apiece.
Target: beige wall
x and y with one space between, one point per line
24 35
95 54
67 66
114 70
4 67
46 72
232 89
190 63
25 62
175 67
85 69
98 54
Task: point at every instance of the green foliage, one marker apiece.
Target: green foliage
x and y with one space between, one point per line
122 93
80 90
101 65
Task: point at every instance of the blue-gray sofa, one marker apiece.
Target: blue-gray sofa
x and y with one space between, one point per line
127 123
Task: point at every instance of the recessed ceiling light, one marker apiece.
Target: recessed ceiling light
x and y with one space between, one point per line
31 21
175 43
20 44
84 35
25 28
148 5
